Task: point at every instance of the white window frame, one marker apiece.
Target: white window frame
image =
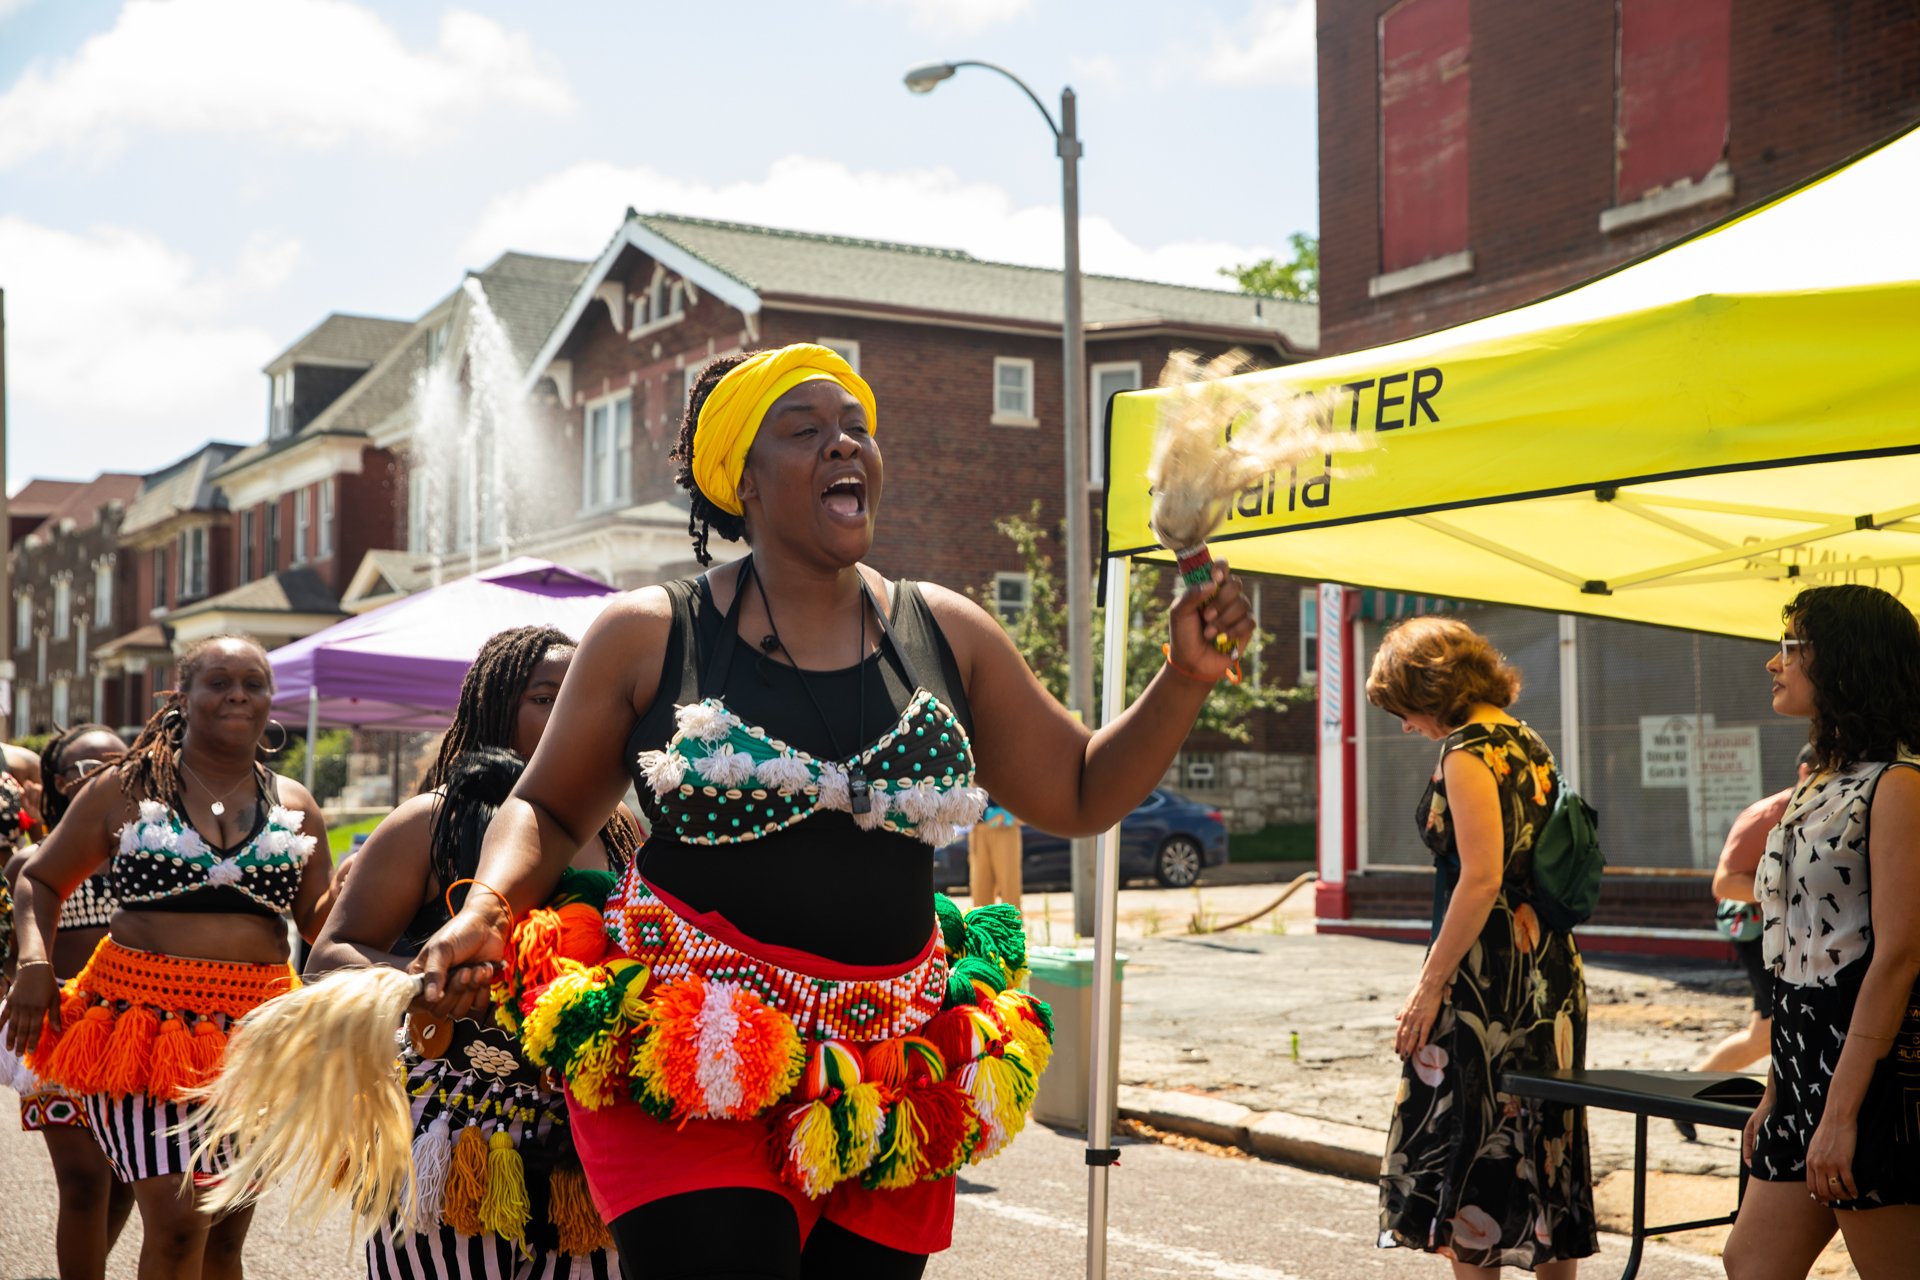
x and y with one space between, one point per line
80 645
23 618
280 412
248 555
1096 416
62 703
302 521
22 709
62 607
160 571
193 563
103 593
40 657
847 349
1309 635
1014 417
323 531
270 557
1001 581
417 499
97 700
613 452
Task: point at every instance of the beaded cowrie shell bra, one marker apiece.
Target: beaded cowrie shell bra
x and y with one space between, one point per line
720 780
163 857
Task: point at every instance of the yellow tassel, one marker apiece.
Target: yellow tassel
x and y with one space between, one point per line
570 1209
810 1149
504 1210
466 1183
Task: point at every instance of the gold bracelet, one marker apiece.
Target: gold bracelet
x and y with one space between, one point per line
28 964
1862 1035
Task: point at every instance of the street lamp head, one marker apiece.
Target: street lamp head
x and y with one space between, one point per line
922 79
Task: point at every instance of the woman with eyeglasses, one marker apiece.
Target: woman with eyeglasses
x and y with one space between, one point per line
94 1205
1834 1141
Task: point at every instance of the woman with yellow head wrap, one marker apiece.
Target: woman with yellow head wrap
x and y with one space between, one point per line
803 732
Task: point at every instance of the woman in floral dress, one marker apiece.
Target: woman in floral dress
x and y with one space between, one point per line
1482 1178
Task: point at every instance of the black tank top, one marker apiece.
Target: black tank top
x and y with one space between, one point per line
824 885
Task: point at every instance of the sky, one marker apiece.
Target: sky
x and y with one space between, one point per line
188 186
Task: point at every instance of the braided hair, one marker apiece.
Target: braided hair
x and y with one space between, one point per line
53 763
151 768
705 518
476 765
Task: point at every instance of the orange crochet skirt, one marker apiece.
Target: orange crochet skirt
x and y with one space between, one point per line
141 1022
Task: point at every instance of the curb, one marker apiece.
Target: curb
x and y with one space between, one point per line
1345 1150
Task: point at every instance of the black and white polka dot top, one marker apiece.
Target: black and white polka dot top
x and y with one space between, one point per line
163 864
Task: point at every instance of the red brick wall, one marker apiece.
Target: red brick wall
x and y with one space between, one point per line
1810 85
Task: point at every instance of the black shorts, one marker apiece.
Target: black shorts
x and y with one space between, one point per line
1759 977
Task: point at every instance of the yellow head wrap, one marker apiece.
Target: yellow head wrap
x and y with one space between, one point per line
731 416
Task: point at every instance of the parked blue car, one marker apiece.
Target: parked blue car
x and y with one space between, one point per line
1169 838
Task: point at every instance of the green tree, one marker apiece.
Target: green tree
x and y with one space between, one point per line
1298 279
329 763
1039 634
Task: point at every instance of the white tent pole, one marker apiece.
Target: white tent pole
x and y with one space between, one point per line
313 729
1570 699
1100 1081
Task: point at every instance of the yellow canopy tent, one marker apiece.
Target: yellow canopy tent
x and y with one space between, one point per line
1686 441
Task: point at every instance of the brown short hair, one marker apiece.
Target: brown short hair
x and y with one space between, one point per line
1439 667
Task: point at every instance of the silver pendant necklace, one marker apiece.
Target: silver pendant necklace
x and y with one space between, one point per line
219 805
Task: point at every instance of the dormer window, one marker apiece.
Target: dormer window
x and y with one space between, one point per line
280 417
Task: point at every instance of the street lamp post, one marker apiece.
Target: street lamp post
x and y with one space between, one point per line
1073 366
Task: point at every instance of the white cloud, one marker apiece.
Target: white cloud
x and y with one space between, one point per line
305 73
1094 69
956 17
1275 44
573 211
123 352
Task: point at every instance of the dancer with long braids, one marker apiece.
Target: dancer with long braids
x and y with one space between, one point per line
94 1204
500 1190
784 1046
208 853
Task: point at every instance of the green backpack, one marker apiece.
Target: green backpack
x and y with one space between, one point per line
1567 861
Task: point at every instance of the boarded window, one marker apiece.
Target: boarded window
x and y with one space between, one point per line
1424 77
1672 105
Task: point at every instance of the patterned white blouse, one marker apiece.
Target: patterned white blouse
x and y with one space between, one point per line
1812 883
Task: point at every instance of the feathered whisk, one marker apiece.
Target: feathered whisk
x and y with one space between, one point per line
1216 437
312 1096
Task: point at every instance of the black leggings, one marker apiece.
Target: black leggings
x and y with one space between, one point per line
738 1233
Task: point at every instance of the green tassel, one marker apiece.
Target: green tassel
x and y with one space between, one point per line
590 887
952 930
959 990
996 931
977 968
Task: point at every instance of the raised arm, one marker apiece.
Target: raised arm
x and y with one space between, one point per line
1042 764
576 777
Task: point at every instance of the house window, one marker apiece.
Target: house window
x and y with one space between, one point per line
666 299
1671 103
1424 75
246 545
607 476
1109 380
270 563
40 657
1309 635
103 593
160 580
60 707
280 418
22 710
80 646
417 510
23 619
1013 392
62 607
846 348
323 535
1012 596
302 521
193 563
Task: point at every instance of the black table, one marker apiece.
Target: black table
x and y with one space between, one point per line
1700 1097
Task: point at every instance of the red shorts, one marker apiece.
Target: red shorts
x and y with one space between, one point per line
631 1159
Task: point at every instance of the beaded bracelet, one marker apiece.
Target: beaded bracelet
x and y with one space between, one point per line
504 899
1232 672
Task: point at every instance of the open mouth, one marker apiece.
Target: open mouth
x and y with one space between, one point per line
846 497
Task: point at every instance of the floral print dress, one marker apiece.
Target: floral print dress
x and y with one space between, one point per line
1471 1173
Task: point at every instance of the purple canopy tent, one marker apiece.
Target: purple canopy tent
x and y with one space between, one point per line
400 666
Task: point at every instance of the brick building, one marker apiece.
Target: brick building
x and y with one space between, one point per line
1479 154
70 595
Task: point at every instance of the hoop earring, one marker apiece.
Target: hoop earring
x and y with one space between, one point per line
285 738
175 721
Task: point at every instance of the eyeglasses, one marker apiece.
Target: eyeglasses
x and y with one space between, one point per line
1789 650
84 769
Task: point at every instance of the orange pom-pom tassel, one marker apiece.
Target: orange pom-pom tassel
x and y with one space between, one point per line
209 1049
172 1069
466 1182
583 933
129 1064
79 1059
532 958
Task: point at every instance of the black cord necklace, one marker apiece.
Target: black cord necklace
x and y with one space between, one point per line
859 794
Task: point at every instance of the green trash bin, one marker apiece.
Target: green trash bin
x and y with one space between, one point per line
1063 977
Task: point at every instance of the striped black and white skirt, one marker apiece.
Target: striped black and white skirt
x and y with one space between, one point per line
145 1138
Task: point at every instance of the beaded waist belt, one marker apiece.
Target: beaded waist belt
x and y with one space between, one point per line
888 1079
142 1022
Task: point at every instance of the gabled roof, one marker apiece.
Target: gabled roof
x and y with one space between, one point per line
83 501
529 294
750 267
288 591
342 339
186 485
40 497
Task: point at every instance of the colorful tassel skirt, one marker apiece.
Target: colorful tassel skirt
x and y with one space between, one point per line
498 1184
840 1086
137 1029
43 1105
